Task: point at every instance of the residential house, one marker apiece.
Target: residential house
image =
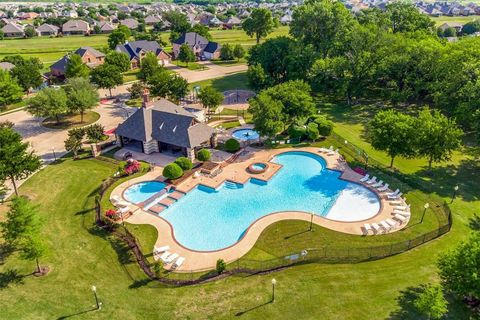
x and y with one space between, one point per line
47 30
106 27
232 22
137 50
152 19
13 30
130 23
72 27
90 56
162 126
457 26
198 44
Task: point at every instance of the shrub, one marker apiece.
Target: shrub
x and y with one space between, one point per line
297 132
203 155
95 132
184 163
232 145
312 131
110 213
131 167
221 266
324 125
172 171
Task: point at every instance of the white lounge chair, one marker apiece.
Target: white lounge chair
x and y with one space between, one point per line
392 223
365 178
161 249
385 225
179 262
372 181
403 213
331 153
384 188
404 208
394 193
165 255
376 227
171 257
367 228
378 184
124 210
392 197
394 202
400 218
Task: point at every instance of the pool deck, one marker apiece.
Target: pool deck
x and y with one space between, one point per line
237 172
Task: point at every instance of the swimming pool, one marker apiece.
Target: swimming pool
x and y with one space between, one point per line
245 134
206 219
140 192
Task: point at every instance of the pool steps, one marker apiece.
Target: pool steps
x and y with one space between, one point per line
160 204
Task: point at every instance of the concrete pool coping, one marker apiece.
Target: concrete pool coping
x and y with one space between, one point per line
237 172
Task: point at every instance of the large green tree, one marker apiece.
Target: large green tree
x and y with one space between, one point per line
267 114
259 24
82 95
107 76
437 136
21 220
16 162
10 91
394 133
324 24
185 54
118 36
118 59
49 102
405 17
210 98
460 268
148 66
27 71
76 68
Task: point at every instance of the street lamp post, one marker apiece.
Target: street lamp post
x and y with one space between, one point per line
425 207
98 303
54 154
455 189
274 282
311 221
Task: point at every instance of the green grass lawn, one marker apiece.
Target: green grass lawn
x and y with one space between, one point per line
13 106
130 75
230 82
459 19
228 63
80 256
71 120
190 66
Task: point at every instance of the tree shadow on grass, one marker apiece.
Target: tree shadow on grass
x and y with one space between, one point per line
77 313
10 277
5 251
474 223
240 313
407 310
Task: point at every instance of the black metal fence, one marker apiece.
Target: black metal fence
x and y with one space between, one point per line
330 254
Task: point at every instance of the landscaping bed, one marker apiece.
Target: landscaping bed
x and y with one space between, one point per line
71 121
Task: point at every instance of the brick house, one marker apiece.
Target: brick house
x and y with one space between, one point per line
136 50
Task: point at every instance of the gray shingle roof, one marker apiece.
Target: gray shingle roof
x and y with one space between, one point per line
47 28
165 122
132 49
191 38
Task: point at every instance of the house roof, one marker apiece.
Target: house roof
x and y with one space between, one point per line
12 28
165 122
75 25
6 66
47 28
82 50
105 26
191 38
133 49
212 47
130 23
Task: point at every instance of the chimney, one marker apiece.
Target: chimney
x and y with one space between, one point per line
146 99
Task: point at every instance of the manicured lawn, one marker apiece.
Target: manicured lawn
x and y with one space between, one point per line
228 63
130 75
459 19
71 121
230 82
190 66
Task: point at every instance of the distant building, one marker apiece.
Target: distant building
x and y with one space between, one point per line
137 50
90 56
72 27
106 27
201 46
13 30
130 23
47 30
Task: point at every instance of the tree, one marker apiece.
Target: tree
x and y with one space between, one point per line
450 32
226 52
76 68
460 267
184 163
259 24
325 126
430 302
202 30
118 36
471 27
178 87
394 133
312 131
49 102
232 145
203 155
107 76
82 95
159 83
257 78
148 66
405 17
220 266
238 51
21 220
73 144
27 72
210 98
33 249
186 54
30 32
118 59
136 90
437 136
10 91
172 171
267 114
95 132
324 24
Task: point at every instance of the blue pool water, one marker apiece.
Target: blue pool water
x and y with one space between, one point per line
206 219
245 134
142 191
259 166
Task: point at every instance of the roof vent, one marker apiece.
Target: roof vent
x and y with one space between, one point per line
175 128
161 126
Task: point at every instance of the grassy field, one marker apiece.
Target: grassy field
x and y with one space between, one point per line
458 19
49 50
230 82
